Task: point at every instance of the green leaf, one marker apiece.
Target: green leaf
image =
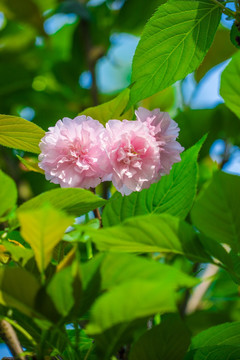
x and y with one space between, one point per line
111 110
19 254
43 229
173 44
216 211
150 287
18 289
62 289
230 84
235 35
8 193
169 340
217 53
31 164
74 201
215 353
151 233
224 334
20 134
173 194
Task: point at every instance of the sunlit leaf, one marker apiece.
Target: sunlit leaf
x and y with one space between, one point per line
150 287
20 134
173 194
8 193
111 110
172 45
74 201
151 233
43 229
230 84
31 164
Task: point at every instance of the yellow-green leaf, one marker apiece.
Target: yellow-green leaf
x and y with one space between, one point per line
31 164
8 193
43 229
112 109
21 134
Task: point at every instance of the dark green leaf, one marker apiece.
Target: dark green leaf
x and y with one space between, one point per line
216 211
167 341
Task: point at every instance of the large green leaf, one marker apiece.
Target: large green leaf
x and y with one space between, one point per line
43 229
169 340
150 287
20 134
8 193
230 84
173 44
151 233
216 211
223 352
74 201
221 341
173 194
112 109
18 289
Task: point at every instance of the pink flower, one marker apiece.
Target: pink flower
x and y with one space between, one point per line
133 155
73 154
165 131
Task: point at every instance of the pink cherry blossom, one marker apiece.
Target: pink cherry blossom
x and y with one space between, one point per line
133 154
165 131
73 154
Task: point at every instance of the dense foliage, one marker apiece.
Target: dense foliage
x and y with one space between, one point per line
94 274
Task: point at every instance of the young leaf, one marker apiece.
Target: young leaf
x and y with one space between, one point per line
74 201
8 193
31 164
216 211
151 233
230 84
21 134
173 44
169 340
173 194
112 109
43 229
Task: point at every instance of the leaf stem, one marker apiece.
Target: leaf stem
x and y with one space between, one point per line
226 10
22 330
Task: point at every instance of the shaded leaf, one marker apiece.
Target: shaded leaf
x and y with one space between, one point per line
169 340
216 211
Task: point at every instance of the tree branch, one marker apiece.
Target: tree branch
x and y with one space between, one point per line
9 336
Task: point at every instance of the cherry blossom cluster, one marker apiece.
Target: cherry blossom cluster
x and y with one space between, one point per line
132 154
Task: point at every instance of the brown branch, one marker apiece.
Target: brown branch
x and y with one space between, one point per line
9 336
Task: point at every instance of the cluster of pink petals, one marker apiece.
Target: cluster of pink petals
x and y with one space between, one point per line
132 154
